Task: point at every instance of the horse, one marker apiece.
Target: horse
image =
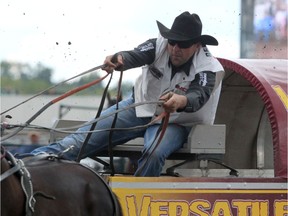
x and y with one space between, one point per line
48 185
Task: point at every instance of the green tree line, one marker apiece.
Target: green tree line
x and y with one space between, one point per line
22 78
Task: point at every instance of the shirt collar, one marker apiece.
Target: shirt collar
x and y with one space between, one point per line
185 67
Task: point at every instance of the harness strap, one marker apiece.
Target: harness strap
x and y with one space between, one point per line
110 146
95 123
10 172
26 182
27 187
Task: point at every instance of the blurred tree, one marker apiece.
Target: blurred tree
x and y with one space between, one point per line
23 79
43 73
5 69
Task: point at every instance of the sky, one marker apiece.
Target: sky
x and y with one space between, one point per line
72 36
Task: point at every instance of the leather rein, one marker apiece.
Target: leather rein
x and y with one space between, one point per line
163 116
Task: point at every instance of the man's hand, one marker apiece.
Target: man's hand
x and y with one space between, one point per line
173 102
113 62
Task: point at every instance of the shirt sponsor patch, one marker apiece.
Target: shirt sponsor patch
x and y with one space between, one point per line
180 89
146 47
155 72
203 79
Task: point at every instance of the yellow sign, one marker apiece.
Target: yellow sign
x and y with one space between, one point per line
140 196
201 207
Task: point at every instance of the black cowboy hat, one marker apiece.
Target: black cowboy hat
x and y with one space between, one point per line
186 27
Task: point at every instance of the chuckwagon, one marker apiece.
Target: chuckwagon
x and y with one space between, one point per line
237 166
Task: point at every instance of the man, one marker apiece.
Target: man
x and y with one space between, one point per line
34 138
178 70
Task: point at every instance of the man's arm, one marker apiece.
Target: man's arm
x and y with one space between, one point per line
197 95
199 91
141 55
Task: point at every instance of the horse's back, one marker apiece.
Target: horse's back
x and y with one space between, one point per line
69 188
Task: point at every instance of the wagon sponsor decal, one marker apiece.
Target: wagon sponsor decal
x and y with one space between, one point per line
135 204
181 197
282 95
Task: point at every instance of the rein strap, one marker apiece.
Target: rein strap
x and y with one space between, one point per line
10 172
26 182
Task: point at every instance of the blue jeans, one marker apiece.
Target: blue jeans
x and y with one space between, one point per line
149 164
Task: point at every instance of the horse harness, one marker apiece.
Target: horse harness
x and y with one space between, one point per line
25 179
18 167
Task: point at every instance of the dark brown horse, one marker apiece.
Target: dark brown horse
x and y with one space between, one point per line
49 186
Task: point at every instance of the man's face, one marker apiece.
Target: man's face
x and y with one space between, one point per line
180 56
